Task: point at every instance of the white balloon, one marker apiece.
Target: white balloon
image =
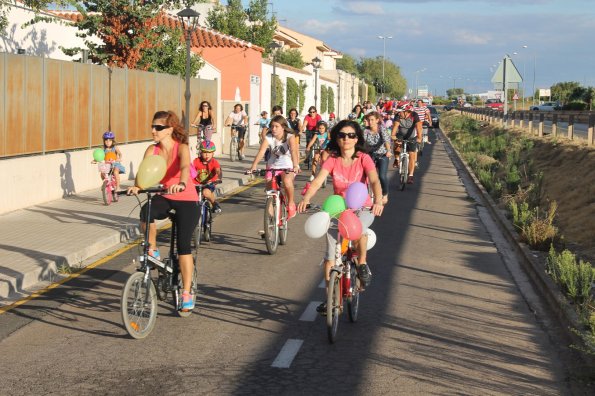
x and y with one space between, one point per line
367 218
371 239
317 225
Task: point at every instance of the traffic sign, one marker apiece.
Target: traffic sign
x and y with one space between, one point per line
512 74
515 97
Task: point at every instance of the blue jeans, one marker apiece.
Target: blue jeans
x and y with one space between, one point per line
382 168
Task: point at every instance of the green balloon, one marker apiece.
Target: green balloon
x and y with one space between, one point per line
334 205
98 155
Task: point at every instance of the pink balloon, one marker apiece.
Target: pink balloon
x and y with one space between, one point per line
356 195
350 226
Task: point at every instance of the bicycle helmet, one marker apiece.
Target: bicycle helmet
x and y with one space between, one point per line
405 107
108 135
207 147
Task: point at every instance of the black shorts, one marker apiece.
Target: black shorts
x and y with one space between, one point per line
186 218
241 131
411 143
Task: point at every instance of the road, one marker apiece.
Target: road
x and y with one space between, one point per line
442 316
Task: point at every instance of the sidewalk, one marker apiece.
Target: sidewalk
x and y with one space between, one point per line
36 241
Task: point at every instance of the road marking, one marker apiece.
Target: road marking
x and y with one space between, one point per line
322 284
95 264
310 313
287 354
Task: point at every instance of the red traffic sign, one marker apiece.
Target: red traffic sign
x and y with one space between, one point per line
515 97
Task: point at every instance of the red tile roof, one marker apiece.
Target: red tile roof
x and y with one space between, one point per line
202 37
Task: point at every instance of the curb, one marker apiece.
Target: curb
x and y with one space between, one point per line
556 301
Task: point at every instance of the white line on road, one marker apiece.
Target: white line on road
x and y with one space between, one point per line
287 354
310 313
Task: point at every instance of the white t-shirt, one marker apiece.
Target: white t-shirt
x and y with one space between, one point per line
280 157
237 118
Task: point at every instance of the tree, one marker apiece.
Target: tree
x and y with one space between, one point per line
291 57
277 85
292 94
251 24
331 99
394 83
454 93
563 90
302 96
323 99
348 64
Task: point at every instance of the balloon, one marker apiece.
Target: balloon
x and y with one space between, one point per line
98 154
371 239
350 227
150 171
317 225
111 156
356 195
334 205
367 218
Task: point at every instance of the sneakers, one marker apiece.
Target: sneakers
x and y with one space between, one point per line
187 301
216 208
311 177
321 309
410 179
291 211
364 274
155 253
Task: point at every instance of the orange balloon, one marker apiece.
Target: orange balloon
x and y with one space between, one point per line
111 156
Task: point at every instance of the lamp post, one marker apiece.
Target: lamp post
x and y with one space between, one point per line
316 66
383 38
352 91
189 20
416 77
274 46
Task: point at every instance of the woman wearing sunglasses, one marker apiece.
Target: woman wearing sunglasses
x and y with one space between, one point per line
348 163
171 143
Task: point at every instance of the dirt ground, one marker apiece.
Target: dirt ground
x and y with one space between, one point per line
569 178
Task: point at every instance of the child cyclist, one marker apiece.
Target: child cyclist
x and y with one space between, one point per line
283 155
112 153
322 138
208 171
348 163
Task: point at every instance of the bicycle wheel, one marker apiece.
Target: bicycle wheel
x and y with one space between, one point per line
106 192
283 225
207 226
139 305
193 290
198 230
271 228
333 300
353 299
404 169
233 149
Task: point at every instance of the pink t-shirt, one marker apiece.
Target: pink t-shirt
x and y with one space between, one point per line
344 176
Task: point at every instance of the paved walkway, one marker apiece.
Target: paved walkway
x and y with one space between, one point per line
38 242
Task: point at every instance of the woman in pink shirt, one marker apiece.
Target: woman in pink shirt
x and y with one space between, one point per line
348 163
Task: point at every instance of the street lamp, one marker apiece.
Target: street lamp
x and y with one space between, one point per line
316 66
383 38
416 77
189 20
274 46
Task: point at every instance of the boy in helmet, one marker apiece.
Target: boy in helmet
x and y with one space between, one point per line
208 171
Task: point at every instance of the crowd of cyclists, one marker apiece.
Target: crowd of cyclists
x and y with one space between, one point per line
356 149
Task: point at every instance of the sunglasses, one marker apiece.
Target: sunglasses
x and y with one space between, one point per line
312 112
343 135
159 128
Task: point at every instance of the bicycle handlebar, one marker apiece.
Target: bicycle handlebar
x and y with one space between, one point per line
153 190
260 172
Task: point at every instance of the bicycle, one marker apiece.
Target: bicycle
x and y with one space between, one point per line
234 144
205 220
344 285
138 303
203 133
108 187
403 163
275 212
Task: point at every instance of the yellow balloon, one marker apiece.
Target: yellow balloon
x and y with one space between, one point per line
150 171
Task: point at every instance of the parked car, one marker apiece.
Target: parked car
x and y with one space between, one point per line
495 104
435 117
546 106
451 105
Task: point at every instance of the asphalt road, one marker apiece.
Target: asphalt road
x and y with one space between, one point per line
442 316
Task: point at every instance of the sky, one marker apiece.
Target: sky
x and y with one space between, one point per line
457 43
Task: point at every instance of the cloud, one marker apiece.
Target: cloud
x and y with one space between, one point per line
470 38
314 26
360 8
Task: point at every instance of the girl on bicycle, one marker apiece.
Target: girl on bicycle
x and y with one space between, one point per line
238 119
318 143
109 146
348 163
171 143
378 140
208 171
283 155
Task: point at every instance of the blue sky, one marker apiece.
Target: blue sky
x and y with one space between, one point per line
457 42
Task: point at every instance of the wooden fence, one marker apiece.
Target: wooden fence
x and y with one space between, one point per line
48 105
574 125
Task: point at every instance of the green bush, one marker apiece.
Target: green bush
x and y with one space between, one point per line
292 94
323 99
575 106
575 279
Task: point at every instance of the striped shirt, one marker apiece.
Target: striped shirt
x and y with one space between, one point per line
421 112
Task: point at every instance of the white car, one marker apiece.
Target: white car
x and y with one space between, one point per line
546 106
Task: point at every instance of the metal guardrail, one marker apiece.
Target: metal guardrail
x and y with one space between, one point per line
540 123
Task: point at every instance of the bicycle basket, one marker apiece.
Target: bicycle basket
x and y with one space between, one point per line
104 167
